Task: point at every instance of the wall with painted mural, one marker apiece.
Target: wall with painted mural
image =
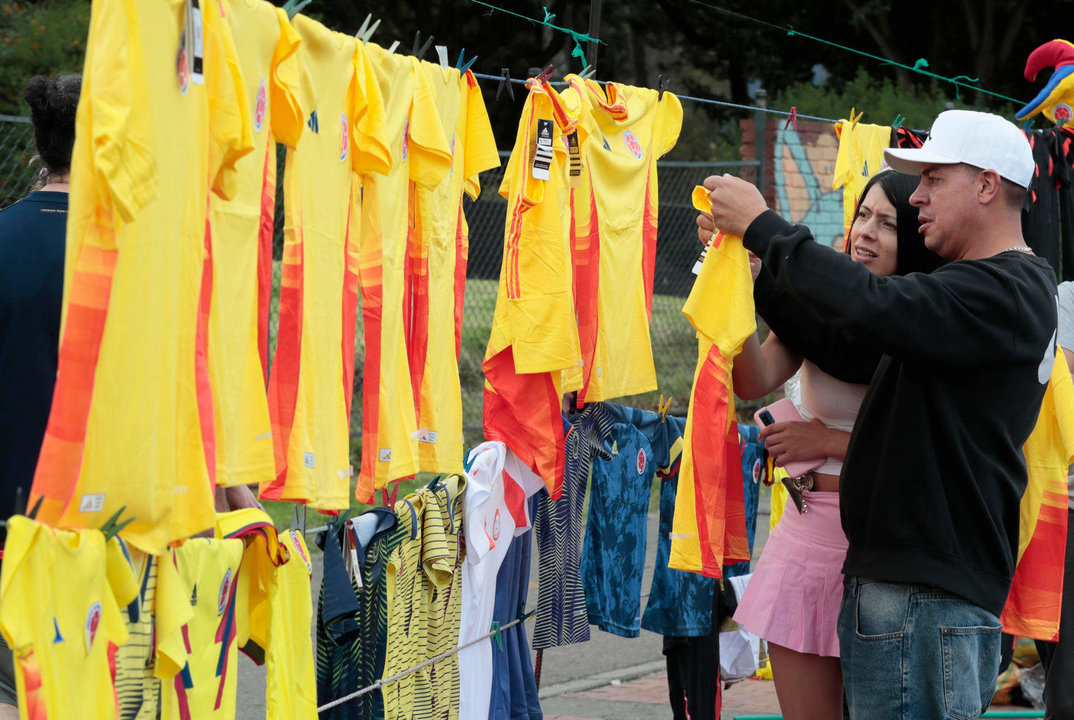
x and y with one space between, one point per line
799 169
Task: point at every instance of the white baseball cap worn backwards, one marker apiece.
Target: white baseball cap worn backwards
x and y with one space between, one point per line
980 139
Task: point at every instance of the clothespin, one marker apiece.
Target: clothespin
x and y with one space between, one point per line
792 119
854 118
419 51
365 32
1028 124
662 408
587 72
496 636
464 66
111 528
293 7
37 506
898 121
661 86
505 83
294 517
546 74
441 54
393 47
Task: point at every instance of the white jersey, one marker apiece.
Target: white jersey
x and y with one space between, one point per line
497 487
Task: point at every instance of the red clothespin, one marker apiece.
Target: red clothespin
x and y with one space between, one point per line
792 119
546 74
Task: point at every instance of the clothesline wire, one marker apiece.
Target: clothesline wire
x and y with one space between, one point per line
708 101
918 67
398 676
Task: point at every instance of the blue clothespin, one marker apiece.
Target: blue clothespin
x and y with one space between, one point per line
464 66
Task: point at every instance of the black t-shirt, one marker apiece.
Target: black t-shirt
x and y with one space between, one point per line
31 291
957 363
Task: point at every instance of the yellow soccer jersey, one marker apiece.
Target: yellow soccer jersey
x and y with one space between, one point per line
195 617
421 158
312 375
437 267
425 604
276 93
274 609
708 527
860 156
132 419
615 227
60 616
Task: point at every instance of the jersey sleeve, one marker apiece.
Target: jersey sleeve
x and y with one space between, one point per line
668 124
368 146
122 135
122 577
292 91
844 169
172 613
480 147
229 114
430 158
15 620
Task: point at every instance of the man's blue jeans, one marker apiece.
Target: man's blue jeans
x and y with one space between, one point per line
913 652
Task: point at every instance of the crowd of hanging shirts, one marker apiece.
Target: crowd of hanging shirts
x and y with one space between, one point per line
164 391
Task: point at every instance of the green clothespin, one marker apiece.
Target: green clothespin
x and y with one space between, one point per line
293 7
111 527
496 636
898 121
366 31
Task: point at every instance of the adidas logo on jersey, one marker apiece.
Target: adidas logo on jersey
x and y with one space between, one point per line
194 596
312 122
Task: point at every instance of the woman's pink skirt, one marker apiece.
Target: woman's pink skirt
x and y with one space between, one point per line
794 594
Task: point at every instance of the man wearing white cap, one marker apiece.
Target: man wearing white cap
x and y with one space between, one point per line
934 472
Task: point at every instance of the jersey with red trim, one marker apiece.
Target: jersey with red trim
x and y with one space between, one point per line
614 233
132 420
1035 600
276 95
195 625
312 377
709 526
274 609
860 156
534 336
421 158
59 613
436 267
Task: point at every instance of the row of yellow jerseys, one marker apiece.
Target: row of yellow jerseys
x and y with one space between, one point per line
709 525
576 283
145 634
160 391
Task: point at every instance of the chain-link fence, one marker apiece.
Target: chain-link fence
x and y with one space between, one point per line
673 341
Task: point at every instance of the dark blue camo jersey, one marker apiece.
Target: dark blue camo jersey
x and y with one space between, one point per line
352 622
614 554
561 607
680 603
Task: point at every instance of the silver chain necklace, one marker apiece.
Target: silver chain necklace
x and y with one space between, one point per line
1020 248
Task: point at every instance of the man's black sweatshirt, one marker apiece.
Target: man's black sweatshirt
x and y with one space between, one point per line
934 473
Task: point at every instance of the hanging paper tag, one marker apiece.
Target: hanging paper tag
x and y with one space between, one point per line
542 156
575 154
191 58
701 258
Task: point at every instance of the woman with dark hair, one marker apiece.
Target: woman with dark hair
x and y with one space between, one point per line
32 242
793 598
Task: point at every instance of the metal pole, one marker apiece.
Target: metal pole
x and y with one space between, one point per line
760 152
594 31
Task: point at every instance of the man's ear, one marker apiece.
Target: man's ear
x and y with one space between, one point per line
989 186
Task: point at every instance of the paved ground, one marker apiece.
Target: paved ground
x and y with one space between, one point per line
606 678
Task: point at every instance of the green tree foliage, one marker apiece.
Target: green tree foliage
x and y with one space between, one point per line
39 38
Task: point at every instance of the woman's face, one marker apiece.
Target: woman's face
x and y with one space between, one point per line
874 239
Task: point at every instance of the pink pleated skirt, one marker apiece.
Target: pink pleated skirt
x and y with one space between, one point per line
794 594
